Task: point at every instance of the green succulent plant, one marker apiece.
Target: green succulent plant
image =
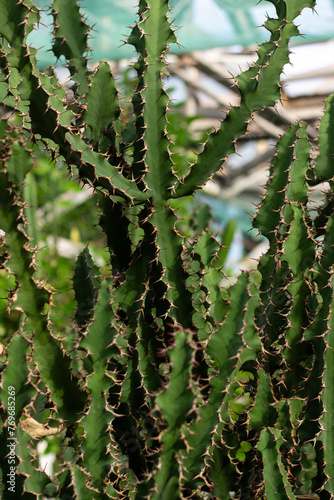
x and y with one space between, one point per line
165 386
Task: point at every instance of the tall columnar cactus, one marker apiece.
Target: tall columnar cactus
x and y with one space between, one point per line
165 387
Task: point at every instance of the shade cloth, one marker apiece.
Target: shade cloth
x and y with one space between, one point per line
202 24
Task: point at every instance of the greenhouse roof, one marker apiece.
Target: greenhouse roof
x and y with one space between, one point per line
203 24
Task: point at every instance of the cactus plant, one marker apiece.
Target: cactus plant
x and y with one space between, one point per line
165 386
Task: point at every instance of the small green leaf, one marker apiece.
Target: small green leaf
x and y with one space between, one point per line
102 101
19 164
